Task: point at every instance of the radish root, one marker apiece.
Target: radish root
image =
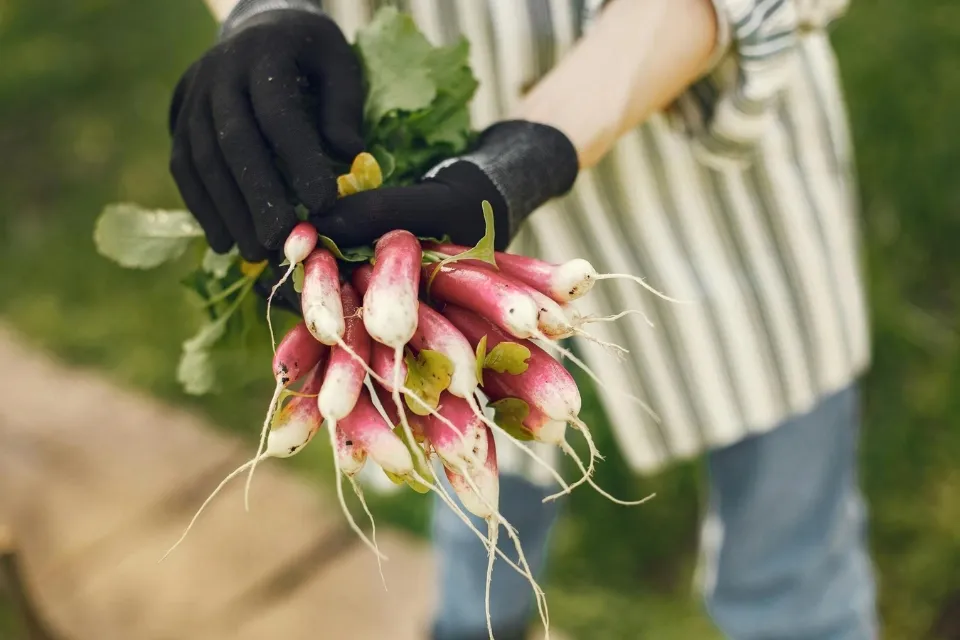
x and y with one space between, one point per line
332 429
273 292
373 525
271 410
642 283
233 474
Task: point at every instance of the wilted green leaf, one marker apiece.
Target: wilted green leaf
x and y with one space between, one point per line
385 159
510 414
139 238
507 357
428 375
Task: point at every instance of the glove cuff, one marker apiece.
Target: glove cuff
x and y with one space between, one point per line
246 9
528 163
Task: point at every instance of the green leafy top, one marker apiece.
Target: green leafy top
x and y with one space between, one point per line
416 112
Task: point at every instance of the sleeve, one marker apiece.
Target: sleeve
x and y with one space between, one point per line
246 9
757 42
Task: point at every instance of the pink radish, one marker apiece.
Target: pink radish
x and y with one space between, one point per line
320 299
546 383
487 293
390 306
562 282
301 241
297 354
464 446
390 301
381 361
545 386
436 333
366 428
352 457
540 425
345 372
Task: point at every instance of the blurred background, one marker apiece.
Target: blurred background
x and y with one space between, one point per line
84 89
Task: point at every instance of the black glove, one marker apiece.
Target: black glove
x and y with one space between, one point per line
257 121
516 165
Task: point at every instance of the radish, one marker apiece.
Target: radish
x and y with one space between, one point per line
367 429
390 301
381 361
390 305
435 332
345 372
320 298
342 387
351 455
545 385
562 282
487 293
301 241
292 428
297 353
459 448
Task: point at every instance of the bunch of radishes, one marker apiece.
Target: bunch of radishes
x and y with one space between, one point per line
398 356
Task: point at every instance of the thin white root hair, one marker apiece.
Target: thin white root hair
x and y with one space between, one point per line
588 476
493 528
273 292
618 351
447 500
642 283
587 472
616 316
332 428
271 410
233 474
520 445
498 517
373 524
566 353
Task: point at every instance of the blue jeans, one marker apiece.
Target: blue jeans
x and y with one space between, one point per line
784 545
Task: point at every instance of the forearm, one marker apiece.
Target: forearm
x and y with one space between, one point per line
638 56
221 8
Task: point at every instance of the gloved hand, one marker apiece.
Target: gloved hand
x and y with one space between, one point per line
517 165
258 119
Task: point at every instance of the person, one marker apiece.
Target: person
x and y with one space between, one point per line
701 144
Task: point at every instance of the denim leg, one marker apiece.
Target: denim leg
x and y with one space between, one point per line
784 543
462 565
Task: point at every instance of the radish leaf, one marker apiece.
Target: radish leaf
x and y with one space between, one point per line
298 277
359 254
139 238
510 414
481 358
428 375
507 357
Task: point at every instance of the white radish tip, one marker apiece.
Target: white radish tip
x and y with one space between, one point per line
287 440
301 241
521 317
392 454
553 432
573 279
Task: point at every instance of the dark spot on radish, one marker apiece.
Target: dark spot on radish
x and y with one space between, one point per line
349 443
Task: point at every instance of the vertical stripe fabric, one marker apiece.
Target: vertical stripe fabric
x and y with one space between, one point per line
741 198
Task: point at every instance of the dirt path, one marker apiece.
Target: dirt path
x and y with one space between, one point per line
99 483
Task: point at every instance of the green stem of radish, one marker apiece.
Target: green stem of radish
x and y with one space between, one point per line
226 293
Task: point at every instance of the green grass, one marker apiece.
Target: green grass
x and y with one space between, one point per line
84 89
